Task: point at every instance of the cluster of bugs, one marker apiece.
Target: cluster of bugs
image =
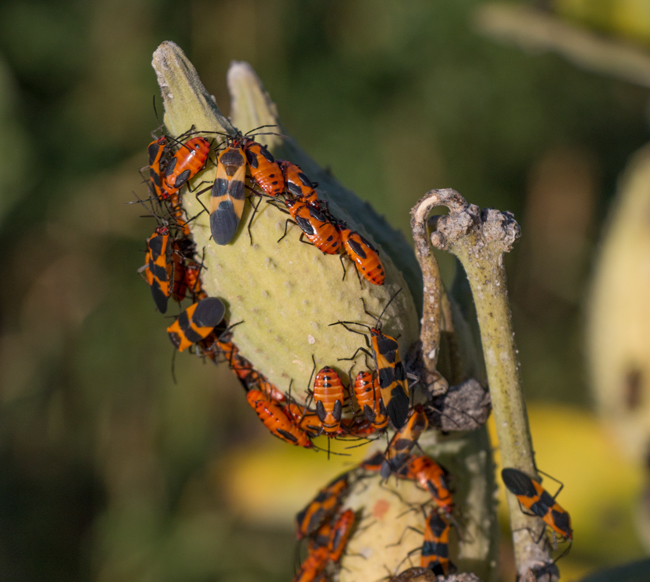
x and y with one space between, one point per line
326 526
364 405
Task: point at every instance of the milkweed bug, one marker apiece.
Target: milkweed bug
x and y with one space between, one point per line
313 565
158 151
390 370
321 507
435 550
340 535
196 322
535 498
431 477
329 396
275 419
307 421
186 163
158 267
316 227
371 404
264 170
228 195
321 537
297 183
374 463
403 441
364 256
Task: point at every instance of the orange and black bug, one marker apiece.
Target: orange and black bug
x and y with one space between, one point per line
317 227
390 370
321 507
274 418
228 195
403 441
264 170
364 255
368 395
435 550
431 477
158 151
297 183
307 421
535 498
340 535
313 566
329 396
158 267
196 322
186 163
321 538
374 463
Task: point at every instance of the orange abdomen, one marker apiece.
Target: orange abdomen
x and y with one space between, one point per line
329 396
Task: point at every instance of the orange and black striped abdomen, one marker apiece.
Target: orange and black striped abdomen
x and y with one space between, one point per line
368 395
535 498
315 225
228 195
403 441
159 267
435 549
274 418
196 322
329 396
264 170
392 377
321 507
186 163
297 183
364 255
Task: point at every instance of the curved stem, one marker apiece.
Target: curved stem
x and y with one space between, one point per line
479 239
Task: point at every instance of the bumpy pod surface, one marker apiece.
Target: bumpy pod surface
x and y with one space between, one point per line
286 293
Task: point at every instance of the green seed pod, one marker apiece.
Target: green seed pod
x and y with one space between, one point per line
619 316
287 294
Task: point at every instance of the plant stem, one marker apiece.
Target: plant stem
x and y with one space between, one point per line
479 239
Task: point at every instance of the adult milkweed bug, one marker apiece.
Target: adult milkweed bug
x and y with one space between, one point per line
275 419
390 370
329 396
340 535
322 507
371 404
534 497
196 322
158 267
297 183
431 477
313 565
374 463
321 537
158 151
403 441
435 550
364 256
228 195
264 170
187 162
316 227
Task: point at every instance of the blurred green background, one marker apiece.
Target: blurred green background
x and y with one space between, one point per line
111 471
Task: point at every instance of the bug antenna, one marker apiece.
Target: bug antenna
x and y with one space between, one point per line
378 325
